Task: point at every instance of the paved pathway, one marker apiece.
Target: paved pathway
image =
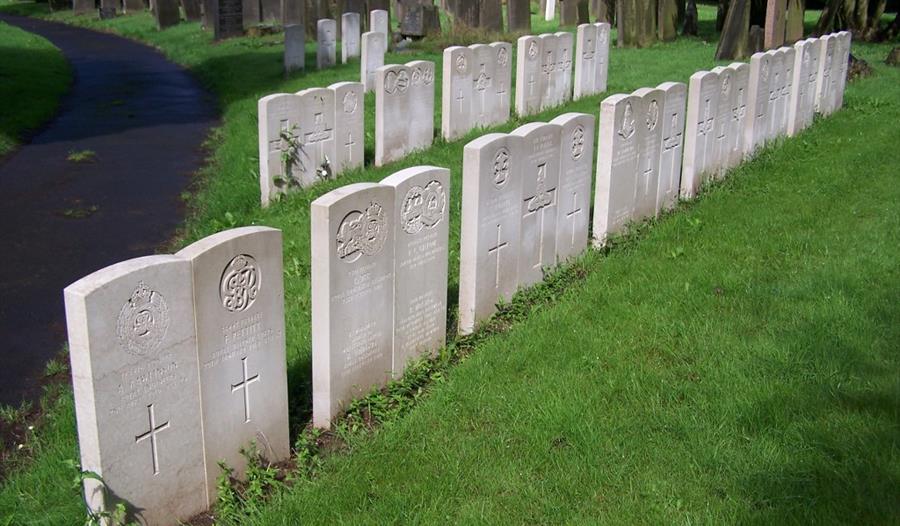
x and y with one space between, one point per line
145 118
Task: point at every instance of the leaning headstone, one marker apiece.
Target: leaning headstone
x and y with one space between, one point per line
421 105
563 71
294 48
650 112
352 246
326 50
483 73
539 169
349 36
228 18
379 22
279 122
421 219
132 346
673 117
552 91
618 165
349 132
239 314
802 107
491 225
502 83
738 114
372 58
167 13
699 140
757 103
734 42
824 80
392 99
576 164
718 158
456 92
315 137
529 80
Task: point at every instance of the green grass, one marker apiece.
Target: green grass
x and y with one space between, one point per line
730 364
34 75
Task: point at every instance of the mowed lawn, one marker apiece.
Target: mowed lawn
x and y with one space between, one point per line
737 361
34 76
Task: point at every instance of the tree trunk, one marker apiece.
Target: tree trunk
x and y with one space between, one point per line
734 43
721 13
690 19
637 22
826 19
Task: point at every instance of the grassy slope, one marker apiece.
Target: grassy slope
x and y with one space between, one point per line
643 422
35 75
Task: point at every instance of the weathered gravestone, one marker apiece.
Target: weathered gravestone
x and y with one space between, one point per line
842 67
421 219
550 11
491 226
802 106
251 13
650 112
349 130
576 164
83 7
293 12
718 158
699 140
502 83
673 117
379 22
192 10
227 17
421 105
794 22
776 11
518 15
667 16
107 12
568 15
539 169
734 43
552 91
618 165
372 58
591 51
563 70
776 81
392 99
738 113
529 80
787 89
133 7
456 92
315 136
352 262
133 350
270 11
483 76
755 126
824 79
166 13
239 315
349 36
326 47
413 23
294 48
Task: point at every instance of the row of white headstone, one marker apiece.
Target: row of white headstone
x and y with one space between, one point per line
326 40
178 362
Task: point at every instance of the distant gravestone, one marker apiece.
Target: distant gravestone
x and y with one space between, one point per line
673 117
326 48
421 219
787 88
107 13
734 42
228 19
550 12
456 92
132 346
413 23
568 15
563 71
667 16
502 84
802 98
167 13
349 132
239 308
133 7
576 166
585 60
539 169
618 163
251 13
755 127
270 11
794 23
192 10
602 71
652 104
845 38
483 77
699 140
824 80
421 105
292 13
552 92
776 11
372 58
529 79
379 22
738 114
519 15
352 260
83 7
776 79
718 158
756 39
294 48
392 99
279 122
349 36
491 226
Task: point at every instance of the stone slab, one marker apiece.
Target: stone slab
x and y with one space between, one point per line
456 92
349 129
167 13
529 80
699 140
552 91
483 73
326 45
718 158
738 115
421 105
349 36
502 84
379 22
576 166
372 58
565 48
392 99
755 126
294 48
674 113
618 163
650 112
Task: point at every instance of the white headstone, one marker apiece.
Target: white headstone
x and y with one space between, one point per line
585 60
456 92
699 139
602 70
539 169
550 10
349 36
294 47
652 104
787 89
421 219
550 79
349 130
491 226
420 123
392 113
379 22
483 100
844 40
279 120
133 350
315 136
739 113
372 58
800 112
672 144
776 77
239 311
824 80
565 47
618 165
718 157
755 126
502 84
529 79
352 247
576 165
326 47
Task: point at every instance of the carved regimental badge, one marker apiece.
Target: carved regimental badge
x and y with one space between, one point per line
652 115
577 142
143 321
532 50
362 233
726 84
461 63
501 167
240 283
350 102
502 56
395 81
626 131
423 207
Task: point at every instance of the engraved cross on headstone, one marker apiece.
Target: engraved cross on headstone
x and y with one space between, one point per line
244 385
576 211
482 83
349 144
320 133
151 436
496 249
540 202
672 142
460 98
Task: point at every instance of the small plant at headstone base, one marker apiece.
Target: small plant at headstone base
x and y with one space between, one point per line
239 499
14 415
114 517
81 156
228 502
55 367
290 156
